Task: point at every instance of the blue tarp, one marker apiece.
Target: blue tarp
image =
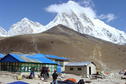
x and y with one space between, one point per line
18 82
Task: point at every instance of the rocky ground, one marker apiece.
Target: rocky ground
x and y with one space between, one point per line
6 77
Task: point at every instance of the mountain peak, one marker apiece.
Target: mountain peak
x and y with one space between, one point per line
71 7
74 16
25 19
72 3
25 26
84 20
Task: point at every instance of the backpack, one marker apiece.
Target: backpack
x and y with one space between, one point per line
81 81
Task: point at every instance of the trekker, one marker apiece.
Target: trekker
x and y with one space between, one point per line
42 74
54 76
124 73
32 73
46 72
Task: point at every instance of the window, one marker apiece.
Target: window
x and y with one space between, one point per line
79 69
71 69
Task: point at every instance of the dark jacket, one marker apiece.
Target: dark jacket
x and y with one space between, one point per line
54 75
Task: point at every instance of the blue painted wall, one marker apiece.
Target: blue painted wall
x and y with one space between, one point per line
59 69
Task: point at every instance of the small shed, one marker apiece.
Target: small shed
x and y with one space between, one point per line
61 61
24 62
84 69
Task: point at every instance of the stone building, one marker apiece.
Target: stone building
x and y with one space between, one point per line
84 69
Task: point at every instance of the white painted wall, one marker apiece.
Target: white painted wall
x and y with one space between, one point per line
64 63
93 69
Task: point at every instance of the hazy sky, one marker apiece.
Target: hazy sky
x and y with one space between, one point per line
112 12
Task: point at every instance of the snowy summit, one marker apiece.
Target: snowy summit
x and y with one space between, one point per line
74 16
85 21
25 26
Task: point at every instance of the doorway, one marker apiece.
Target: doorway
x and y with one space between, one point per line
89 70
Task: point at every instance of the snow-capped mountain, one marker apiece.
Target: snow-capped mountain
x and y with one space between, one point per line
3 32
25 26
75 17
84 24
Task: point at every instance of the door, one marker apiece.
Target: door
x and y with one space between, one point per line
59 69
89 70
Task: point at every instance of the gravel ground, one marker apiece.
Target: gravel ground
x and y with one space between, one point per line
6 77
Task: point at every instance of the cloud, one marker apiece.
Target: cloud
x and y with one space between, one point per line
79 6
76 7
108 17
86 3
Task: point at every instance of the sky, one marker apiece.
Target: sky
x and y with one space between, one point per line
112 12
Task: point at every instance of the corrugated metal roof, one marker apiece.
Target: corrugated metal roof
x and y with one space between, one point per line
37 58
41 58
56 57
1 55
78 63
18 57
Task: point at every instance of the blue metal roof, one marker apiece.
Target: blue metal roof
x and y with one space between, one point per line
36 58
56 57
18 57
41 58
1 55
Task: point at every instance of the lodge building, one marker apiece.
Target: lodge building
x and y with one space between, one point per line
24 63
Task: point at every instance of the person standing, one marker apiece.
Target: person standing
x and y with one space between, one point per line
42 74
32 73
47 72
54 76
125 73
